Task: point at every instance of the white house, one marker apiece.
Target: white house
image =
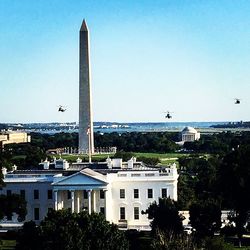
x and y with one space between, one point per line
120 190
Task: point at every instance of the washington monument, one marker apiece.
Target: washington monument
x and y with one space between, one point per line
86 138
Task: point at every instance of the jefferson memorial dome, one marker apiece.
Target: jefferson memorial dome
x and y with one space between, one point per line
189 134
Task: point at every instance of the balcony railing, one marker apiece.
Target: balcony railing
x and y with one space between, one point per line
122 223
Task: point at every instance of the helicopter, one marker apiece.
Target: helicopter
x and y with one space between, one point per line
168 116
61 109
237 101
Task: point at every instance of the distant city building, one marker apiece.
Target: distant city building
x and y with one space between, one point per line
189 134
120 190
8 137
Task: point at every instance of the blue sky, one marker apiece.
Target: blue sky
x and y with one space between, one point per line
189 57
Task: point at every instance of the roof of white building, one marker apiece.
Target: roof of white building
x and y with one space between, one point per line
190 130
93 171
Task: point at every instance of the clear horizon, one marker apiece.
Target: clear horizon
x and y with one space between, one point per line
147 57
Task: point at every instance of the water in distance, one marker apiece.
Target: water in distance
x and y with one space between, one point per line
109 127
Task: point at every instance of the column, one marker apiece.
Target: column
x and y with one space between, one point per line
56 200
89 200
82 194
78 202
105 203
94 200
72 201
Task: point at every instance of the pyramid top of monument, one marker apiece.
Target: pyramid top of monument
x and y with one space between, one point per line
84 26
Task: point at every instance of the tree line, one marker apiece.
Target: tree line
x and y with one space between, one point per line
213 183
214 176
29 155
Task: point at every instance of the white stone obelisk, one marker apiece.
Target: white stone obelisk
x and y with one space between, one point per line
86 135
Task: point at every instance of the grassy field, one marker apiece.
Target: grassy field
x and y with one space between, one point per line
7 244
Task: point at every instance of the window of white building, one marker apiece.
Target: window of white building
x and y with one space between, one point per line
136 213
136 193
49 194
36 213
50 209
102 194
164 193
122 213
36 194
122 193
102 210
150 193
22 193
68 195
85 194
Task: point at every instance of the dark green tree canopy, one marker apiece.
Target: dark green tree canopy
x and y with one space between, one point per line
234 178
234 183
205 217
13 203
63 230
165 216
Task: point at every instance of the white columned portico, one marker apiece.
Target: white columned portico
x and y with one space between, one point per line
72 201
89 200
56 200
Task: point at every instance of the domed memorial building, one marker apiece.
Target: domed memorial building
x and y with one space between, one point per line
189 134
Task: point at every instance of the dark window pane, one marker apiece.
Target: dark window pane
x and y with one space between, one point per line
49 194
122 213
136 193
102 194
164 193
102 210
150 193
122 193
136 213
85 194
36 194
69 195
36 213
22 193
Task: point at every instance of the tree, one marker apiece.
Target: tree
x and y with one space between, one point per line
63 230
205 217
125 156
1 178
149 160
198 180
5 159
234 183
13 203
29 237
165 216
171 241
186 194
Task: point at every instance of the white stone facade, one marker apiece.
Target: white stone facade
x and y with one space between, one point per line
121 193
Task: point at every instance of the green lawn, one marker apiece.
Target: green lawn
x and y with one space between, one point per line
7 244
72 158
